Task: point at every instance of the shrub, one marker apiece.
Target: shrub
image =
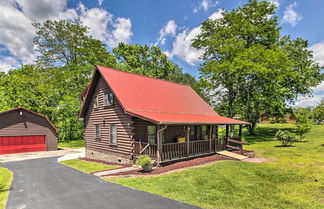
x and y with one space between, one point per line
285 137
144 160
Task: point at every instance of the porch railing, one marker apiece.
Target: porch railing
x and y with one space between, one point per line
179 150
174 150
150 149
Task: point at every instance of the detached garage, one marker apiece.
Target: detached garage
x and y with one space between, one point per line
22 130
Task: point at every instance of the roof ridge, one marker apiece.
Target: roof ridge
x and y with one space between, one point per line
172 82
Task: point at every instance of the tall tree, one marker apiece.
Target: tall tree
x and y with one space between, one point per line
67 43
68 53
149 61
249 67
319 112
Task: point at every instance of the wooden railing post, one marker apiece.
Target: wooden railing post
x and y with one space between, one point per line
216 140
188 139
240 131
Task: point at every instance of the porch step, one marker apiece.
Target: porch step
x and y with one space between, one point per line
232 155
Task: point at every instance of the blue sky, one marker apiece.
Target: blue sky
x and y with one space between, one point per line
169 24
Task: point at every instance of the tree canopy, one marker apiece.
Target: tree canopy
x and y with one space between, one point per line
67 55
149 61
249 67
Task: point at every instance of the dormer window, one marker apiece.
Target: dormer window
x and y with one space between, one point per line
109 99
95 102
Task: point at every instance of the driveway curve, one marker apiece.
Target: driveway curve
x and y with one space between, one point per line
44 183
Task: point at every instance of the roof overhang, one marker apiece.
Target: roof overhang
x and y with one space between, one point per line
181 119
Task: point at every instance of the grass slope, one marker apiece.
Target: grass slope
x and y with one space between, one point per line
88 167
5 182
73 144
292 179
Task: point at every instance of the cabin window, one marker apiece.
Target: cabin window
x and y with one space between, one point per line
204 132
109 99
192 131
95 102
198 133
151 134
113 134
98 131
214 131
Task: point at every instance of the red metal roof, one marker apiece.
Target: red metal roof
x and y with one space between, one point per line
160 101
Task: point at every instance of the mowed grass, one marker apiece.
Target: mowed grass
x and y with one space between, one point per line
5 182
88 167
292 178
73 144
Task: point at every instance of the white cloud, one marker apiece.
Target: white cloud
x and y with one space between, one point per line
40 10
290 15
8 63
182 46
100 2
318 95
122 31
205 5
216 15
275 2
168 30
318 52
17 33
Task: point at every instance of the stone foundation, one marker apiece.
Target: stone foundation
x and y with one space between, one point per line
108 157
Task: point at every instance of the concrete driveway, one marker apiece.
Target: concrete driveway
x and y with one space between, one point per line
44 183
37 155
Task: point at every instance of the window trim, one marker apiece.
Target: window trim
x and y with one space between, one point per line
110 135
110 102
96 136
96 102
155 137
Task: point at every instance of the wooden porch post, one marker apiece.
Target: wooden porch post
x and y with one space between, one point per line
159 144
226 136
210 137
188 139
216 140
227 130
240 135
240 132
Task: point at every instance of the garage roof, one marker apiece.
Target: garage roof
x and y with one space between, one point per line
35 113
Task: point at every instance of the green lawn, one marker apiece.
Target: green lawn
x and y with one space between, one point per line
73 144
5 181
293 178
88 167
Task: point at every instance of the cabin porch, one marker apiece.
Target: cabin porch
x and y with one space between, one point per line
189 141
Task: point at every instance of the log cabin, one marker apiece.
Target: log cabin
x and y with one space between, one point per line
126 115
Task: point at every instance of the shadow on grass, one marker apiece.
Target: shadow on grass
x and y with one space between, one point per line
3 188
284 146
265 134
